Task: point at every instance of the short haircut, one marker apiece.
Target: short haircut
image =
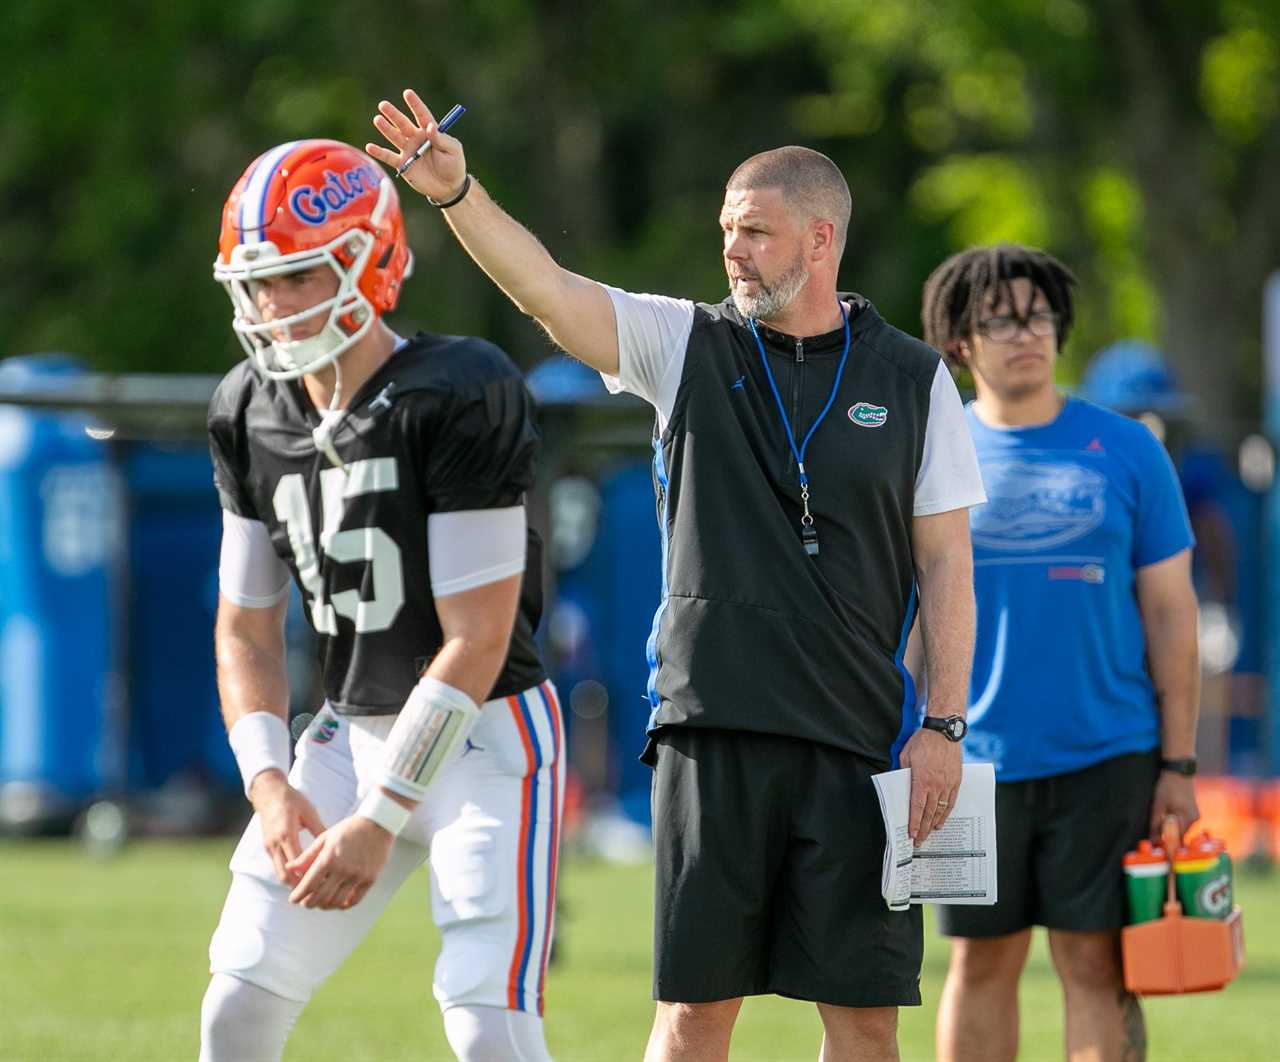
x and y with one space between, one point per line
811 184
954 292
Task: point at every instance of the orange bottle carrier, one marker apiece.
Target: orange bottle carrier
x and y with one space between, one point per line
1174 954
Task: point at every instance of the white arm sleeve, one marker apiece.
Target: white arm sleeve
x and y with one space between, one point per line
949 477
250 573
653 335
475 547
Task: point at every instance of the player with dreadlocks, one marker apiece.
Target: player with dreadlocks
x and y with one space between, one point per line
1084 690
954 292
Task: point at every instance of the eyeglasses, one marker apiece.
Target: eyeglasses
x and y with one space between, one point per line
1001 329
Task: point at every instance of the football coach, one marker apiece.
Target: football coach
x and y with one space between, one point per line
813 470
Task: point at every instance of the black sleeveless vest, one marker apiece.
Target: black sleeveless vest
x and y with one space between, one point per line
753 633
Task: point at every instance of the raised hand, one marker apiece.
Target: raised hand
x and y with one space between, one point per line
437 174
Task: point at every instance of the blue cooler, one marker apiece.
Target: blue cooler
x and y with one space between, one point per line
629 551
60 530
175 527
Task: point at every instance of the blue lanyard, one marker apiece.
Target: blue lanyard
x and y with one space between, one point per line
808 534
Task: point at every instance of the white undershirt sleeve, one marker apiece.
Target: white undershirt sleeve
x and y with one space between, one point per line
475 547
653 335
250 572
949 476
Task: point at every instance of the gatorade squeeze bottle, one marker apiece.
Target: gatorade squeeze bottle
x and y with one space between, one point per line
1146 876
1213 897
1204 889
1224 901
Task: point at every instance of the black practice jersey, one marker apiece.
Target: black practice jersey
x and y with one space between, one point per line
446 425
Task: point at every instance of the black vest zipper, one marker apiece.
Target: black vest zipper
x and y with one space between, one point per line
796 391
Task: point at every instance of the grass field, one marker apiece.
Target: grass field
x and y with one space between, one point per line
106 961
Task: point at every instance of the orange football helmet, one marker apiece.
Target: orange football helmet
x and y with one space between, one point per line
304 204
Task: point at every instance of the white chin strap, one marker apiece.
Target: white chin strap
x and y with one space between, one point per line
322 434
305 355
287 359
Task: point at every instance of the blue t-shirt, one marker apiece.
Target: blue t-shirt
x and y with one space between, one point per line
1075 507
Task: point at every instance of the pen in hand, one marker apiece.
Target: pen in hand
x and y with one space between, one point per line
455 112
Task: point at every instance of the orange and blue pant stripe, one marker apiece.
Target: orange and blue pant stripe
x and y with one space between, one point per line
536 713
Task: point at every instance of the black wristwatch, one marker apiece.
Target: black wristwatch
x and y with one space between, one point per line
1185 767
952 727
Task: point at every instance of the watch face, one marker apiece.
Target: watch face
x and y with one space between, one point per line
953 727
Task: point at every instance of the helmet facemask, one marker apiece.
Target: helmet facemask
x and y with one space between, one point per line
349 317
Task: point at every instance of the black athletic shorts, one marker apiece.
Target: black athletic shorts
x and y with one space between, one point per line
1059 846
769 854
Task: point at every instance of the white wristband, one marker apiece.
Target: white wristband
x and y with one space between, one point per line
260 741
387 813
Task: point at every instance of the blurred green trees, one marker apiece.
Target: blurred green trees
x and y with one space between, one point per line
1138 140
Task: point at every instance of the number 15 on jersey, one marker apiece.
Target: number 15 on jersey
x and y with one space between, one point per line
369 545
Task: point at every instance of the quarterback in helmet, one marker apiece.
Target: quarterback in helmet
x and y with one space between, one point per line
385 477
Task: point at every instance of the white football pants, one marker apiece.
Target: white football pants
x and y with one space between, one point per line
490 827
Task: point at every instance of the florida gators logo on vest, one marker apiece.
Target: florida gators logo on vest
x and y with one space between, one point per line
868 415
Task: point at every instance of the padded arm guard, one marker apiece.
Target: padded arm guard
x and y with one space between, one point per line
430 731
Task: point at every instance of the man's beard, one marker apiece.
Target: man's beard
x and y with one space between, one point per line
773 298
